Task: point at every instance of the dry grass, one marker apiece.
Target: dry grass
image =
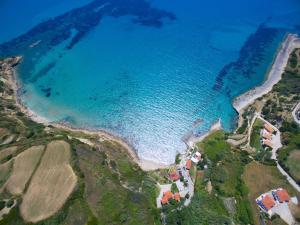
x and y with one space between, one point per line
3 132
51 184
6 152
5 170
24 165
293 163
259 179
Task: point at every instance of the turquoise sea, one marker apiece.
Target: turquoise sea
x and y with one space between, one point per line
145 70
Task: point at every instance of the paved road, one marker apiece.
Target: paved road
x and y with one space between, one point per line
187 177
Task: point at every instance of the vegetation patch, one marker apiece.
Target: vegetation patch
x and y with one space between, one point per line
255 135
215 146
113 198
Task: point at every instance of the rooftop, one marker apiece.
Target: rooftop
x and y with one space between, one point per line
268 202
282 195
188 164
269 128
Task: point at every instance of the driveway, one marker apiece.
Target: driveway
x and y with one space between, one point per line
296 113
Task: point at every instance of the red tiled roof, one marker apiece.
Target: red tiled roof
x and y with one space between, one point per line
166 197
177 197
268 128
164 200
283 195
267 136
268 202
174 176
188 164
268 143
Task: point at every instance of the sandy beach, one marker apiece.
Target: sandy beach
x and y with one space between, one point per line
274 75
99 135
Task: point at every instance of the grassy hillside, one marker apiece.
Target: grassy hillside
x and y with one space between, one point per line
227 201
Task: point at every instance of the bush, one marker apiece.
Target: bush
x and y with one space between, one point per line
2 204
177 160
9 203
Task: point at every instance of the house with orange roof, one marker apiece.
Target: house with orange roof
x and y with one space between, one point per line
267 136
267 143
188 164
281 195
277 202
266 203
173 174
177 197
269 128
166 197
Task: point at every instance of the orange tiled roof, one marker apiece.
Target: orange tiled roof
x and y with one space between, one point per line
268 143
268 128
164 200
268 202
174 176
177 197
267 136
166 197
168 194
283 195
188 164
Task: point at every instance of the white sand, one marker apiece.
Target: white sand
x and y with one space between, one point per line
274 76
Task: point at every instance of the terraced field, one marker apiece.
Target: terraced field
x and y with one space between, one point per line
51 184
7 153
24 165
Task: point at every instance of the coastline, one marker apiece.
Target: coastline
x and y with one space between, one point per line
193 140
101 135
291 42
274 75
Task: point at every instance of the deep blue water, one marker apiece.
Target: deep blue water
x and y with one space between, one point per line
144 70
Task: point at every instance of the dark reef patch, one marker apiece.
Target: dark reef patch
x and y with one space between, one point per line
72 26
46 91
42 72
251 56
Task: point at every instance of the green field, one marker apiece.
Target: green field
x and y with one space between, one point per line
255 135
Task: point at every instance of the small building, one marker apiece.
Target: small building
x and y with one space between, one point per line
266 203
166 197
173 174
269 128
196 157
267 143
267 135
188 164
281 195
177 197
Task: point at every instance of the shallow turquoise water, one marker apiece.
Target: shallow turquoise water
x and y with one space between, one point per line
149 83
